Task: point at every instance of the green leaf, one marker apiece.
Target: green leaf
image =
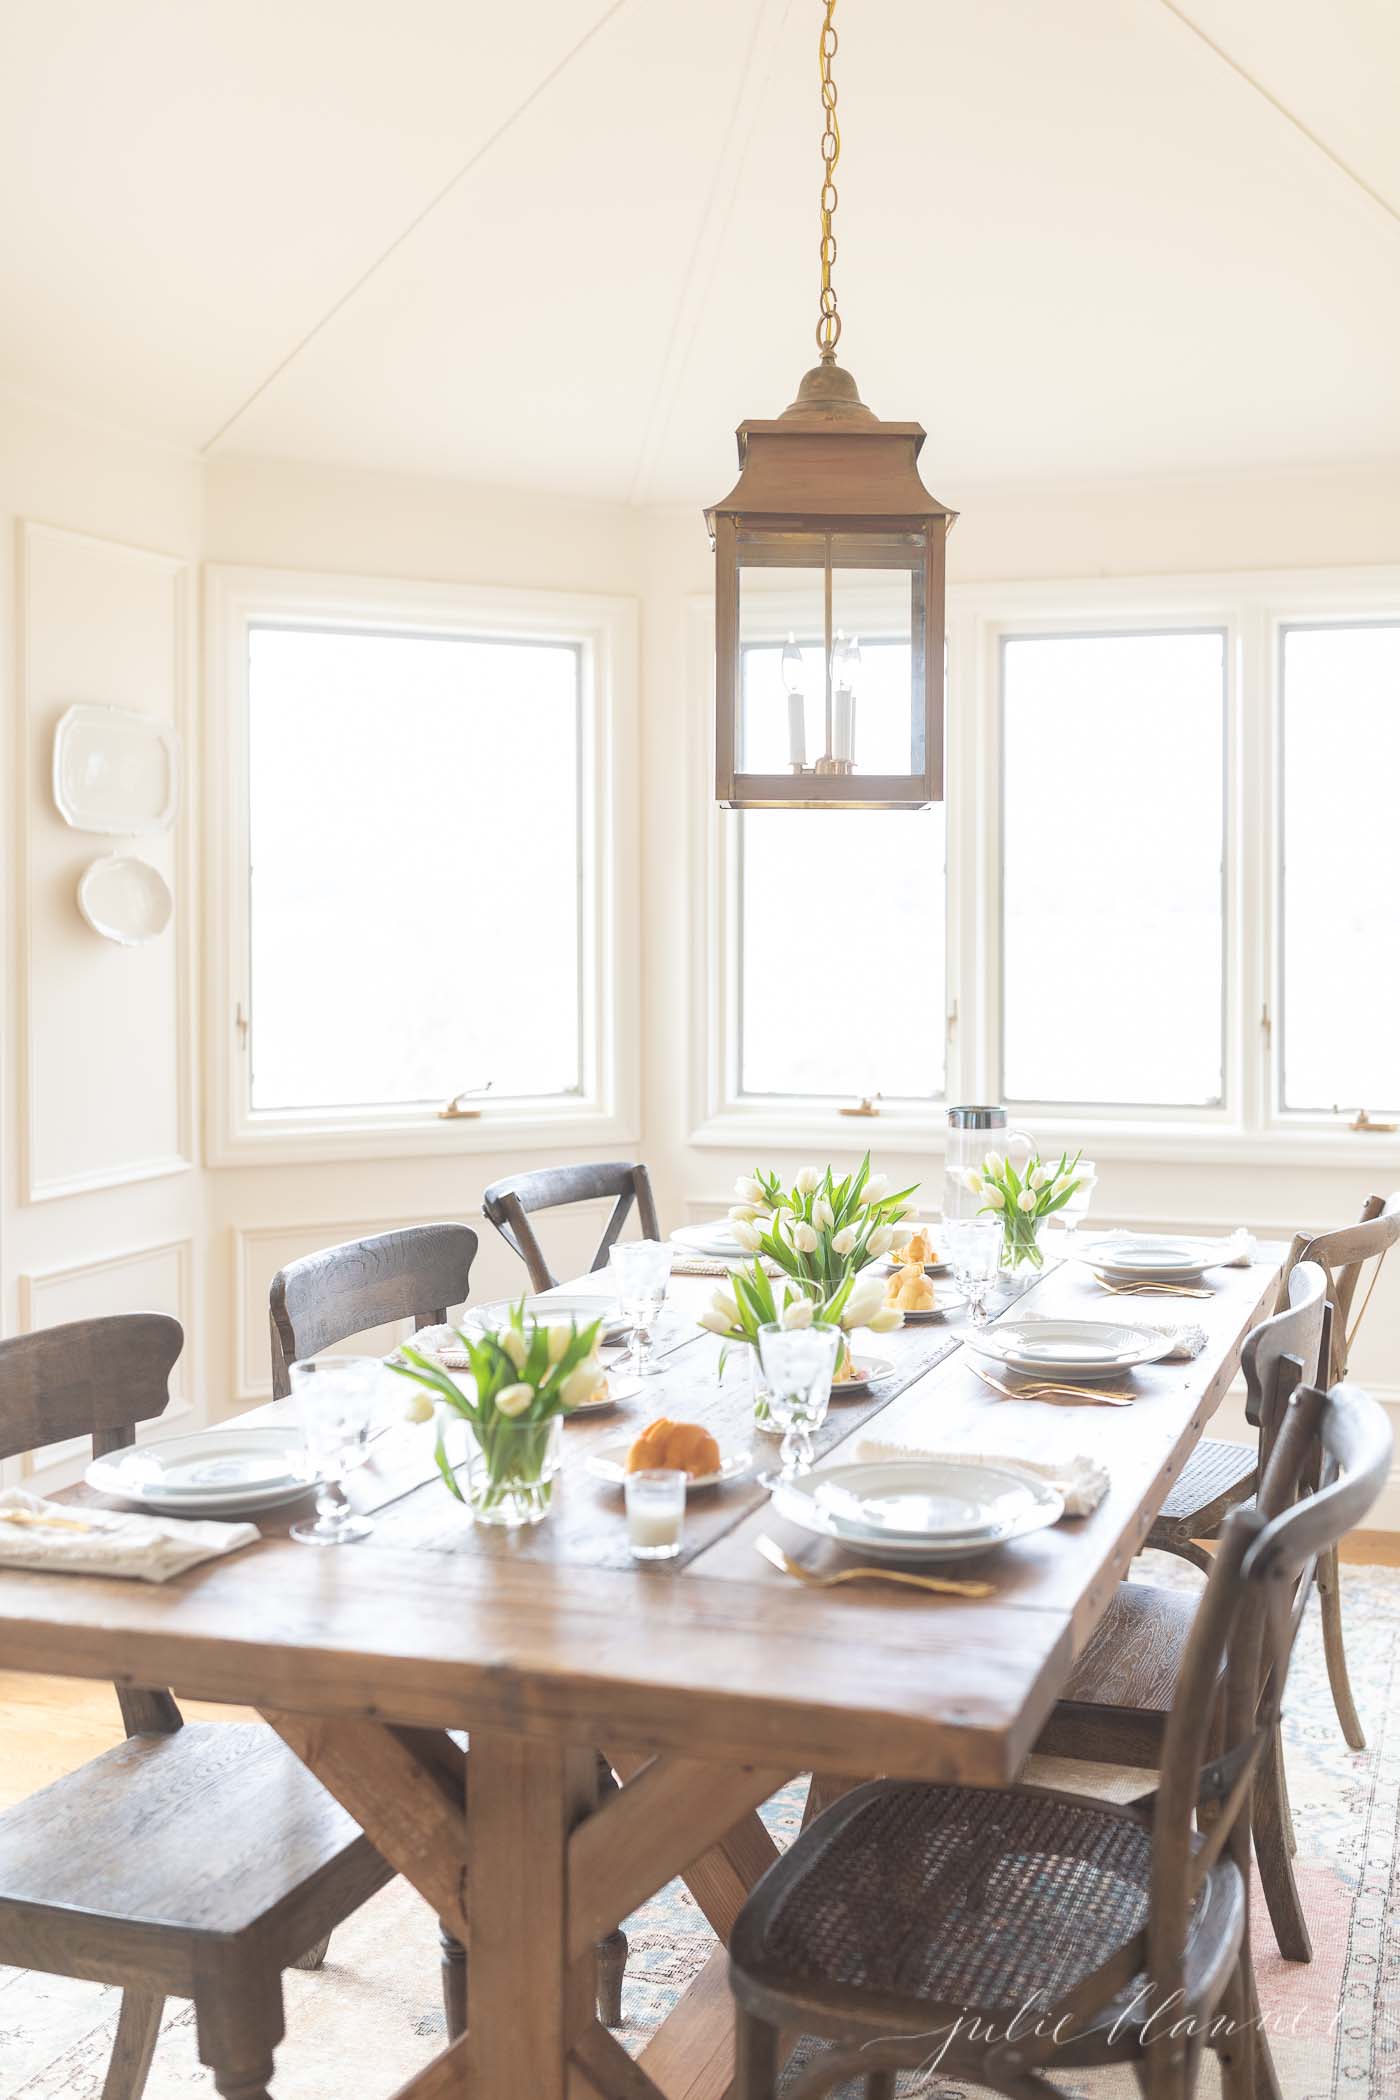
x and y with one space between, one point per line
449 1477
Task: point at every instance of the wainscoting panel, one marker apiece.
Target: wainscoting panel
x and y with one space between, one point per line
105 1030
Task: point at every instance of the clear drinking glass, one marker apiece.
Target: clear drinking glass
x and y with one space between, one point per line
974 1248
642 1271
798 1364
655 1512
335 1399
1073 1214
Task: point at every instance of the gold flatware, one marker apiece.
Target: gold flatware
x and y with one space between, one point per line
942 1586
36 1520
1153 1290
1045 1386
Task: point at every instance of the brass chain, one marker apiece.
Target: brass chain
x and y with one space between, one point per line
829 325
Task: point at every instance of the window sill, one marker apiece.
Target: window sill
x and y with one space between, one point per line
521 1127
755 1130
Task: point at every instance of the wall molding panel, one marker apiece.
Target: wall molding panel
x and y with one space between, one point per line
106 1034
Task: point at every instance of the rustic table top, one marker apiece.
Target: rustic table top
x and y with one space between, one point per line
555 1632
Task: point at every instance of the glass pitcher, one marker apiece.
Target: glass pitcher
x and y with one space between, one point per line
972 1134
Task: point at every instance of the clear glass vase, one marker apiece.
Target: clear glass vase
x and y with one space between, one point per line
511 1470
1022 1256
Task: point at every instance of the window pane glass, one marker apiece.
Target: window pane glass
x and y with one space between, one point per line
414 921
1341 908
1113 844
841 970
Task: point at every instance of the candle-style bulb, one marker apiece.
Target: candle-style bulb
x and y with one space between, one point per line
794 678
845 659
793 668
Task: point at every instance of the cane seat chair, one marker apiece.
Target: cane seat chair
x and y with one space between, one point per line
1220 1475
324 1298
1116 1704
912 1925
196 1860
511 1203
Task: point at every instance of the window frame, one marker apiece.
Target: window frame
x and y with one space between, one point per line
604 631
1250 1125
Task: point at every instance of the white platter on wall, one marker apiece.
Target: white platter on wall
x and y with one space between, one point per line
115 771
125 899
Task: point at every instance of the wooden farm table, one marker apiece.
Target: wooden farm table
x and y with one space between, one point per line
710 1681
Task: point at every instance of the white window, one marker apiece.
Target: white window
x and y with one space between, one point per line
1340 908
1113 843
423 864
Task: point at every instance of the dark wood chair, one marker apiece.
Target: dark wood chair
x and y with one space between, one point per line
417 1274
914 1924
510 1203
193 1861
1118 1700
1219 1475
324 1298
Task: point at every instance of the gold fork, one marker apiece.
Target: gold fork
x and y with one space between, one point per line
1152 1290
942 1586
1044 1386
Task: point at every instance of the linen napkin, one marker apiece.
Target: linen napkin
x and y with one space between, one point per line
71 1539
1080 1479
1187 1339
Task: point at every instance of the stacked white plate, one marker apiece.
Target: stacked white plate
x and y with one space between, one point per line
919 1509
1070 1348
713 1242
610 1464
552 1308
214 1473
1145 1260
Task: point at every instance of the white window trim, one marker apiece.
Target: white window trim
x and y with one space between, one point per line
605 628
1250 1127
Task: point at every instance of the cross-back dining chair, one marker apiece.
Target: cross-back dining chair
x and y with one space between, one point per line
1117 1702
1220 1475
416 1274
324 1298
915 1924
196 1860
512 1202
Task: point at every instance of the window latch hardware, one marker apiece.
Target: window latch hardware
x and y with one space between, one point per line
864 1107
457 1109
240 1022
1361 1121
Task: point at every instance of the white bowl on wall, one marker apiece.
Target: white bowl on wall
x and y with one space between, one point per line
125 899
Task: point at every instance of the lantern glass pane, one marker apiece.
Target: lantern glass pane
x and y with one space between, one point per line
781 703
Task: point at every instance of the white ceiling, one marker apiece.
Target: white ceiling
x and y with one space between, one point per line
571 244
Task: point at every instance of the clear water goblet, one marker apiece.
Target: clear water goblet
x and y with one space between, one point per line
974 1247
798 1366
642 1272
335 1398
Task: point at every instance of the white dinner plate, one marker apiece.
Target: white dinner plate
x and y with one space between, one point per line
869 1371
210 1472
948 1302
1078 1348
919 1509
553 1309
716 1241
610 1464
931 1268
1149 1260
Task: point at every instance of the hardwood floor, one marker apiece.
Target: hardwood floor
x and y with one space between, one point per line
53 1724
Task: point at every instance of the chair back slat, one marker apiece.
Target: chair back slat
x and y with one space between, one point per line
417 1275
93 1378
511 1202
1343 1253
1293 1338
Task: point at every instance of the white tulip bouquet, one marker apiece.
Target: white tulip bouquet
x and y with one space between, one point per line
522 1378
737 1314
821 1231
1023 1201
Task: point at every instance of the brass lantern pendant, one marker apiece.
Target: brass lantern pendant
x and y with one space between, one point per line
829 590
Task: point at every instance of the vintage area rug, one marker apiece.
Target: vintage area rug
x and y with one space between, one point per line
1334 2024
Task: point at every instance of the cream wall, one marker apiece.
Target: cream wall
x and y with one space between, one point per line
210 1239
99 552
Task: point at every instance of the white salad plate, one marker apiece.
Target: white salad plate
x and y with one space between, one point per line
919 1509
715 1241
931 1268
553 1311
125 899
115 770
869 1371
209 1473
610 1464
1150 1260
948 1302
1078 1348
